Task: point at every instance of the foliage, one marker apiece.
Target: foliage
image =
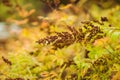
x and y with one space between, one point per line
64 45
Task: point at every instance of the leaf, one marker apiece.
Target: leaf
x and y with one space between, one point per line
101 42
115 36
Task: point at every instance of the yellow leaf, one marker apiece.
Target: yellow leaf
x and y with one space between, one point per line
25 32
100 42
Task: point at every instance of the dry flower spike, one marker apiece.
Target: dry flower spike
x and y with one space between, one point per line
67 38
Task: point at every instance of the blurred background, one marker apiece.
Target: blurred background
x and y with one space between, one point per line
25 21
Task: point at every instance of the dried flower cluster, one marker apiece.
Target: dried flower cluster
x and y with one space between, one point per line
52 3
104 63
6 60
86 34
59 40
6 3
